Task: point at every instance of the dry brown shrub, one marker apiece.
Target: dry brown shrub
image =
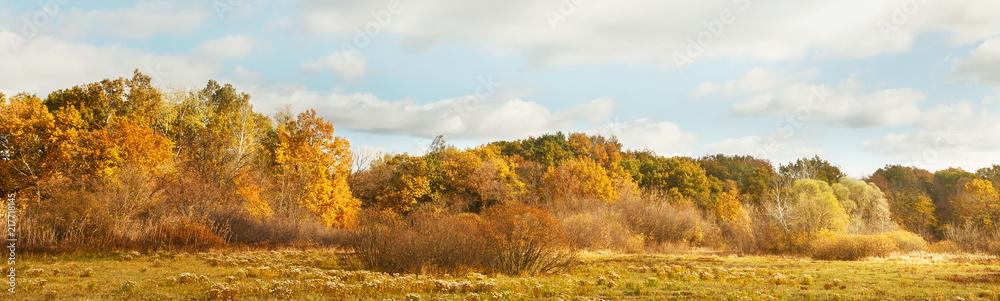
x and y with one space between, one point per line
970 237
907 241
664 222
599 230
525 240
852 247
945 247
509 239
183 233
420 243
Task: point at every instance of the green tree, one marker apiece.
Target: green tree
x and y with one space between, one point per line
754 177
682 178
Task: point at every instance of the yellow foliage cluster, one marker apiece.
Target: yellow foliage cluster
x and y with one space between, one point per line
579 178
313 159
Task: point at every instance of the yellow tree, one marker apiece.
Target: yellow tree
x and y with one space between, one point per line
728 207
35 145
125 141
580 177
315 164
979 204
394 182
479 178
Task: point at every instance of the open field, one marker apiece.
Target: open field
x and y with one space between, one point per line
325 275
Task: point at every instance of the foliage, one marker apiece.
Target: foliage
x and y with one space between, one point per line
865 204
907 241
394 183
812 168
682 178
754 177
797 214
907 192
579 178
119 163
315 165
978 205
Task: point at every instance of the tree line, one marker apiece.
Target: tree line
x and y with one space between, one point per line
122 164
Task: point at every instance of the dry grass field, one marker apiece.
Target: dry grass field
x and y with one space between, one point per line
334 275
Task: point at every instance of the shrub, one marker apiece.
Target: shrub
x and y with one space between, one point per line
421 243
851 247
596 230
907 241
507 239
185 234
945 246
524 240
993 248
971 238
663 222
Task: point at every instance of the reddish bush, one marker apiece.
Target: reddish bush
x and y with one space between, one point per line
183 233
507 239
525 240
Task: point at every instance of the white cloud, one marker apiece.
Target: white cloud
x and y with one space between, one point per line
145 19
465 117
764 93
348 65
653 31
959 134
230 47
47 64
662 137
771 147
982 65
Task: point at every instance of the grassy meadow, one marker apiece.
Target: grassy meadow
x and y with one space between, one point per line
334 275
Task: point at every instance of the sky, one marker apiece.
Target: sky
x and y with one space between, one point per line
861 83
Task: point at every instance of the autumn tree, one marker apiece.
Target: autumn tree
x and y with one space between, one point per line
799 212
906 189
394 182
223 144
991 173
978 204
479 177
865 204
753 177
99 103
125 141
548 149
681 178
947 184
36 145
811 168
605 151
579 178
313 167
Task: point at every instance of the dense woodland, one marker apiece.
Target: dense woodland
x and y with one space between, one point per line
120 164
